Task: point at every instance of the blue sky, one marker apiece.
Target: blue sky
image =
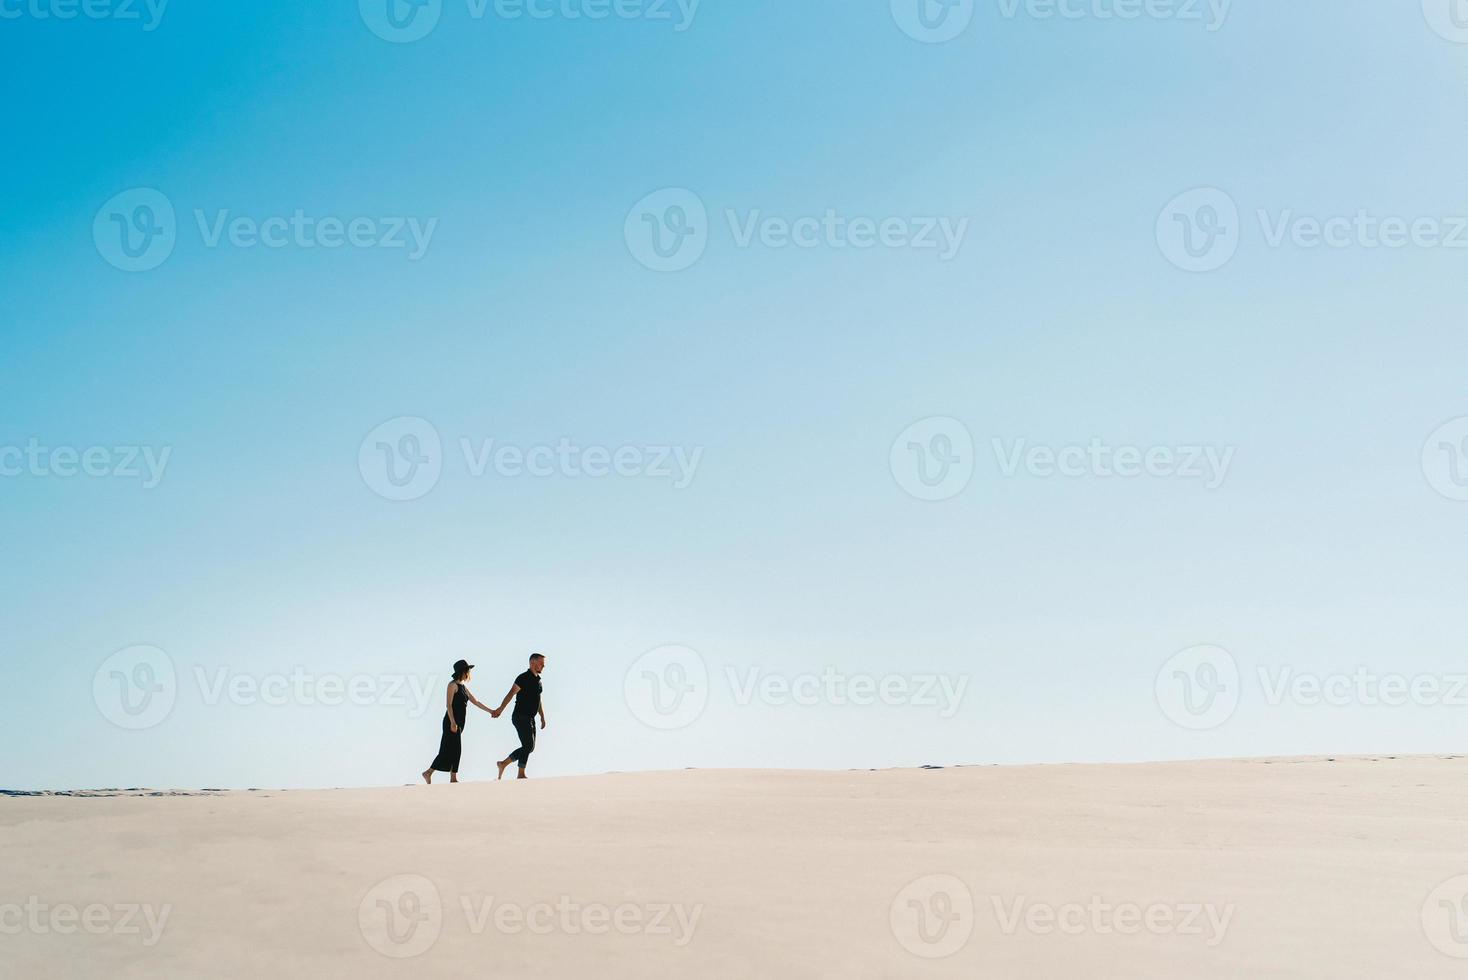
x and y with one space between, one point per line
1329 546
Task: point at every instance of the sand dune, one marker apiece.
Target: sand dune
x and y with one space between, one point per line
1268 868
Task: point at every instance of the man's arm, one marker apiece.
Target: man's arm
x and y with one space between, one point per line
542 715
514 690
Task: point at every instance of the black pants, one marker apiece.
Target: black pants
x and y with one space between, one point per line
525 728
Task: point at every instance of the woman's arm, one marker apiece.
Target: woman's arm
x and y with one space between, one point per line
478 703
453 725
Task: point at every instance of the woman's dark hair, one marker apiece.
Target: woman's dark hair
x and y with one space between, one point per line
461 668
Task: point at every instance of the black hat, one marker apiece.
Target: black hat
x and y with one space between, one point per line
462 667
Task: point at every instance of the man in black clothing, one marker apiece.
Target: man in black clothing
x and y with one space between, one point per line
526 692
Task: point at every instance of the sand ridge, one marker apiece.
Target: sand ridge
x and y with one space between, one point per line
1351 867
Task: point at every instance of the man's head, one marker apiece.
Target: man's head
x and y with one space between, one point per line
537 662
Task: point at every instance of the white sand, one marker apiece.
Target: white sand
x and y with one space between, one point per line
1288 868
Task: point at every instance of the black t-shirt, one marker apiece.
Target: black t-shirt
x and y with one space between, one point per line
527 702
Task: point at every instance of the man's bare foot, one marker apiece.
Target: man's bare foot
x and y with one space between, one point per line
522 775
502 766
428 776
454 778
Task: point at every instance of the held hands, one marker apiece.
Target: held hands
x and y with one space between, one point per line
495 712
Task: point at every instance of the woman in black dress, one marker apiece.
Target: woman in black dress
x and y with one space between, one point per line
451 747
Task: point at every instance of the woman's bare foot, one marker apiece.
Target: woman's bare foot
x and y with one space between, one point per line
503 766
428 776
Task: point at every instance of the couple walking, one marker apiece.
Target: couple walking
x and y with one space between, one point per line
525 691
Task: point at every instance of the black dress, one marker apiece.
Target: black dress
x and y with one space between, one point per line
451 748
